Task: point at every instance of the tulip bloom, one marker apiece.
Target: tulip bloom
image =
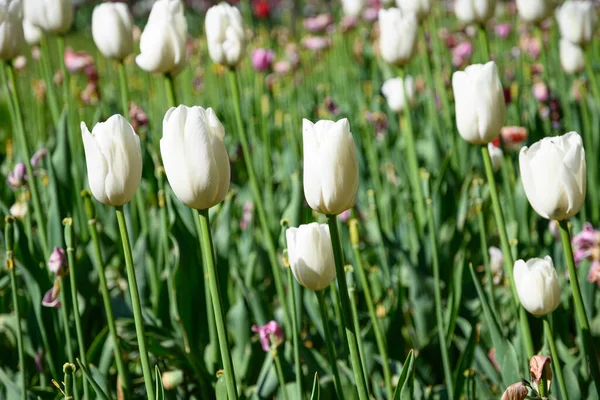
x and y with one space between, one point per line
421 8
310 254
353 8
114 160
537 285
393 91
330 166
572 59
262 59
225 34
12 38
162 43
474 11
553 175
534 10
112 30
33 33
496 155
194 156
577 21
397 36
52 16
57 263
479 98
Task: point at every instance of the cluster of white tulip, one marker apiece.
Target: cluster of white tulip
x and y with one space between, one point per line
474 11
577 23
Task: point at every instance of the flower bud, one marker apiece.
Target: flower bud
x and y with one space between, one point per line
172 379
474 11
534 10
496 262
553 173
353 8
52 16
330 166
480 107
12 39
38 156
51 297
496 155
114 160
194 156
577 21
516 391
225 34
397 36
572 59
17 177
540 371
270 335
33 33
393 91
262 59
112 30
310 254
57 262
537 285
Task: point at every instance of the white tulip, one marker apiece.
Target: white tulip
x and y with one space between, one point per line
162 43
496 155
33 33
421 8
114 160
496 262
112 30
577 21
393 91
330 166
553 175
52 16
310 254
474 11
194 156
12 38
572 58
225 34
537 285
534 10
479 99
353 8
397 35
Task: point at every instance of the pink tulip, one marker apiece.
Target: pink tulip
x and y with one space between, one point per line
262 59
270 335
318 23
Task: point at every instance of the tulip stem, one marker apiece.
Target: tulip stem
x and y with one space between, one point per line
295 334
329 344
590 73
506 250
485 251
48 81
432 108
110 319
438 292
170 87
411 155
346 321
256 194
68 223
10 266
207 250
564 394
483 44
123 87
379 336
65 320
588 343
588 141
35 197
135 304
279 371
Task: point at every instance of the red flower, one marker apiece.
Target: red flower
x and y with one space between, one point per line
262 9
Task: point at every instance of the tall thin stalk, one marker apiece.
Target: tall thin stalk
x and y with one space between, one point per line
564 394
295 334
205 238
47 73
279 371
64 313
135 304
329 344
483 44
170 88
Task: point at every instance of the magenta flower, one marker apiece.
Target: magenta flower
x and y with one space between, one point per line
17 177
586 244
262 59
540 92
282 67
50 298
462 53
269 334
316 43
594 273
371 14
38 156
75 61
502 30
58 262
318 23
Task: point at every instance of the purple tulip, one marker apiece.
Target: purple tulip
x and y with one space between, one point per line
17 177
269 334
262 59
318 23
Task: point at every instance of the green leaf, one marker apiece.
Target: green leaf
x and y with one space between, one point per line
316 390
406 382
88 377
160 391
464 362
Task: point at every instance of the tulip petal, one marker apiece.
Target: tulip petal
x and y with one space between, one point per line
97 165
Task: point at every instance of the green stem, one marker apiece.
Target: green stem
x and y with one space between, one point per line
135 304
124 91
110 318
35 197
65 320
379 336
506 251
433 113
346 322
74 301
329 344
590 73
483 44
589 144
564 394
485 252
279 370
48 80
411 156
207 251
438 294
60 40
582 318
356 323
438 65
295 334
170 87
256 194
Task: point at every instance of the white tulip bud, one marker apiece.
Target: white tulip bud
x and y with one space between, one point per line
535 10
393 91
553 175
577 21
194 156
496 155
114 160
420 8
112 30
33 33
474 11
397 35
479 98
12 38
225 34
537 285
353 8
162 43
330 166
310 254
52 16
572 58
